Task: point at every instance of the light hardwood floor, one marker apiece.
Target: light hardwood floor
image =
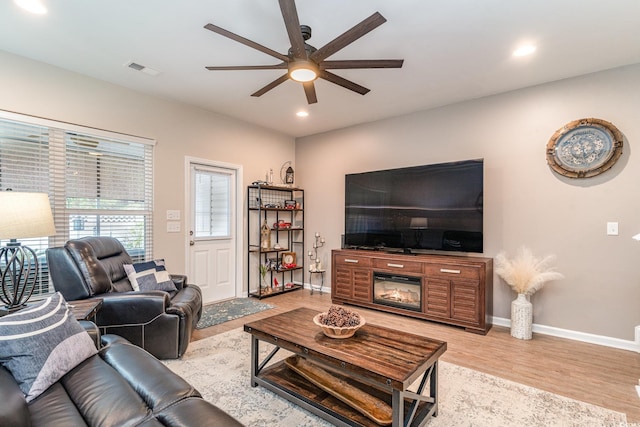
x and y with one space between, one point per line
591 373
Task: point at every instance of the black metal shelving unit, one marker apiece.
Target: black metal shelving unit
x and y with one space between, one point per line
275 205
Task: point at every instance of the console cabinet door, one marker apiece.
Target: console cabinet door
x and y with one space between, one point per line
437 297
362 285
353 284
343 282
465 301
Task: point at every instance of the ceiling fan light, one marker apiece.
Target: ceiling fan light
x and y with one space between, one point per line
303 71
303 75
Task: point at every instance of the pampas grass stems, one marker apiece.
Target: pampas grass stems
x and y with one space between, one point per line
525 273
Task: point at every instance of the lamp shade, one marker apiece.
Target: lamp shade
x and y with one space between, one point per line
24 215
418 223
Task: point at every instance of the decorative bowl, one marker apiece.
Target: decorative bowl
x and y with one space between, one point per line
336 331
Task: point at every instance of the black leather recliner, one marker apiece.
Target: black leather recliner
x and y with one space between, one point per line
158 321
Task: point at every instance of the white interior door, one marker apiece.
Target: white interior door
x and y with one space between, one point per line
212 232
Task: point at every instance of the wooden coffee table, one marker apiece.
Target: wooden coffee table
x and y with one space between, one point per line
376 364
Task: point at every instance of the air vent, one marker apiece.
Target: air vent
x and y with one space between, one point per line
142 68
136 67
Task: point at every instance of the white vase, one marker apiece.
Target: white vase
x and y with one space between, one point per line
521 317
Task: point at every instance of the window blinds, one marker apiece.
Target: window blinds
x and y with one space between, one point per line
99 183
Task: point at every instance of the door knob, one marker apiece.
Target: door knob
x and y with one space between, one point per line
191 243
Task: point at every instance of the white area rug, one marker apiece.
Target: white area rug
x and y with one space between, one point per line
219 367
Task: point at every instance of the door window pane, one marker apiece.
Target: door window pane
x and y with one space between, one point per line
212 204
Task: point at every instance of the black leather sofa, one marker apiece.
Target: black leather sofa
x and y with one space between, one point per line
122 385
158 321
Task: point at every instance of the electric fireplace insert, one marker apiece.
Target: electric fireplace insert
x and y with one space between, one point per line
397 291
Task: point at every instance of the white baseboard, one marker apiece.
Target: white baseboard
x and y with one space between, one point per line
580 336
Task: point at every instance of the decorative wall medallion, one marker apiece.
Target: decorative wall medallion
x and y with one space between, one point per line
584 148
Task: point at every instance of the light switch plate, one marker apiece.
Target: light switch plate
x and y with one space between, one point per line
173 214
612 229
173 226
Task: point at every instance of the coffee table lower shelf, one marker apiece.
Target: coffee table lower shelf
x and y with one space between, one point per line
291 386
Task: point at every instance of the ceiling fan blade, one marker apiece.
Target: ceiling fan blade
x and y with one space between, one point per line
246 42
347 84
361 63
310 91
271 85
291 21
248 67
349 36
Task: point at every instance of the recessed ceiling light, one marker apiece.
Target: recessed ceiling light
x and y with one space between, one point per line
524 50
302 114
32 6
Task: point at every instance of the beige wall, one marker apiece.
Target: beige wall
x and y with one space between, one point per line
180 130
525 202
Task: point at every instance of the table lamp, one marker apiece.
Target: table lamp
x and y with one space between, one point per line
22 216
418 224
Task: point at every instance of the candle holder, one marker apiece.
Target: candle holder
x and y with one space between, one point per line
316 265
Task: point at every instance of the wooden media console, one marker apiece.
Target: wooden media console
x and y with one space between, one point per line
456 290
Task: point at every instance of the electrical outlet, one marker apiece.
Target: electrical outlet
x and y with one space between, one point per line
612 229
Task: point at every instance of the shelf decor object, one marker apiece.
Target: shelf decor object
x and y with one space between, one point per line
289 260
265 236
313 254
584 148
315 267
24 215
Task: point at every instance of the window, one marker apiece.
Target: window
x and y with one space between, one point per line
212 202
99 183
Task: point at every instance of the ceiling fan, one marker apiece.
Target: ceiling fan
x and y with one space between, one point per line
303 62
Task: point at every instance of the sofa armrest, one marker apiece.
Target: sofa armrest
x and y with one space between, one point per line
180 280
92 330
156 383
108 339
187 302
13 410
132 308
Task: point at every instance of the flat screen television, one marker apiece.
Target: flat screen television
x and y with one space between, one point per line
416 209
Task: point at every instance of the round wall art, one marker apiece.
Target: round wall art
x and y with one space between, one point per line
584 148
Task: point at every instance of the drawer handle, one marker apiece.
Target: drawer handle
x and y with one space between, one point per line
395 265
353 261
447 270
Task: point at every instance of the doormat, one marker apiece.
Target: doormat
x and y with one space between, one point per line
214 314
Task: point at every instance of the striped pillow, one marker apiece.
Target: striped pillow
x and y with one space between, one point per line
149 276
41 343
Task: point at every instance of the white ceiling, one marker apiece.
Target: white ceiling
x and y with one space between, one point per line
454 50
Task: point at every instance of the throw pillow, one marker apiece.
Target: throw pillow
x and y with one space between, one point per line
41 343
149 276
